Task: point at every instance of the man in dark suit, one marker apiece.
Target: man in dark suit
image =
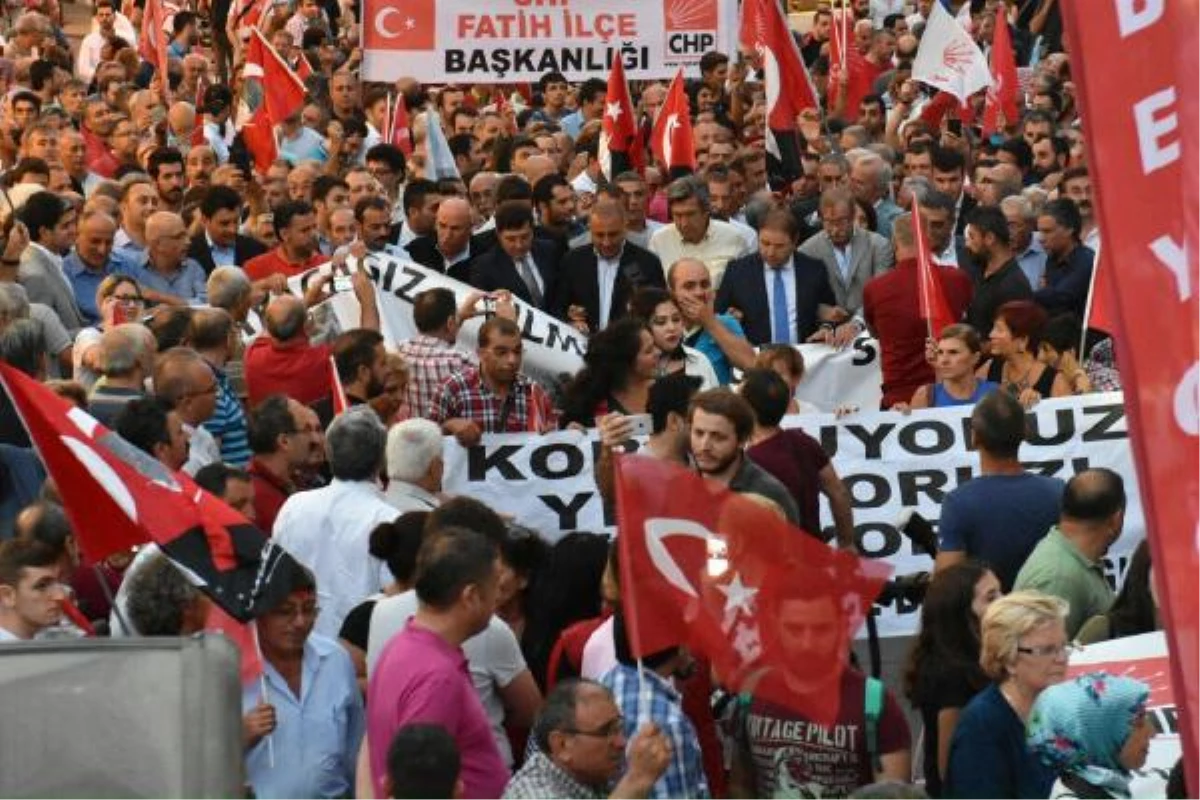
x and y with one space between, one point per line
523 265
452 248
949 177
596 280
219 244
783 296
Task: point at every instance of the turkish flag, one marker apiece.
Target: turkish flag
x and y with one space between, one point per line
732 580
118 497
401 25
1002 94
152 42
303 70
1098 313
399 132
850 66
340 403
930 294
283 91
788 85
620 141
671 137
258 134
250 13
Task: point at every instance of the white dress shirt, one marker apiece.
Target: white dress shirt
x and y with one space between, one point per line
202 449
788 270
327 530
606 276
405 497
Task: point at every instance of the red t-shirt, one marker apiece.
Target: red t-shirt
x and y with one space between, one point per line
295 368
793 757
795 459
892 309
269 263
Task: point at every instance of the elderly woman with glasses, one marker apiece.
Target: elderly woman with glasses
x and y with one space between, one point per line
119 300
1024 650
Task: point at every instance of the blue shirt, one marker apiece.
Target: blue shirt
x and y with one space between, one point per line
684 778
187 282
706 344
571 124
988 756
1033 262
999 519
127 255
228 424
84 282
221 256
308 146
1066 282
317 734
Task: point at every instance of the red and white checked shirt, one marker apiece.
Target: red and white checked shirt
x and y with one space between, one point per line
430 362
464 395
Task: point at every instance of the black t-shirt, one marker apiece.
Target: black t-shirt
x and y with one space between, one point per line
1006 284
356 627
939 687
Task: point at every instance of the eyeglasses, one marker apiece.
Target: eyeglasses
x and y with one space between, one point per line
1051 650
610 730
131 299
210 389
308 611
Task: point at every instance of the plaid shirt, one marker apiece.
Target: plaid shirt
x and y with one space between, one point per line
541 777
685 775
464 395
430 362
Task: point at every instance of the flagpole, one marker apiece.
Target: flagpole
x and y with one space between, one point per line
112 601
919 234
644 701
262 683
1087 309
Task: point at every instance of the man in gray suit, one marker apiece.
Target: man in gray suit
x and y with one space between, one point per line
852 256
51 222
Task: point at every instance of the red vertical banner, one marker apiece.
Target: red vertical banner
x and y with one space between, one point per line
1139 114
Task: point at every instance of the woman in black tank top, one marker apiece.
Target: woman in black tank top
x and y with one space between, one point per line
1014 364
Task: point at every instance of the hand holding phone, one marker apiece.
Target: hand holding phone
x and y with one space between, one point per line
640 424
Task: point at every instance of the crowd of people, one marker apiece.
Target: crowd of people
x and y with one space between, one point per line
428 646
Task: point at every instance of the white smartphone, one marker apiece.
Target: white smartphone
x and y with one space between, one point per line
640 424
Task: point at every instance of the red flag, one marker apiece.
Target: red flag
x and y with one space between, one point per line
118 497
848 65
1098 313
242 634
788 85
1002 94
259 137
283 92
1140 119
930 294
672 139
249 13
399 132
197 137
304 70
621 144
340 403
704 567
152 42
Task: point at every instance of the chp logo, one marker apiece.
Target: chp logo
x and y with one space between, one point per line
691 27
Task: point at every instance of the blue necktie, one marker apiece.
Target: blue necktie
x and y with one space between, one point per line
780 334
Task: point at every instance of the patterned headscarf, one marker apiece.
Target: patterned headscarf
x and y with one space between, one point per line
1080 726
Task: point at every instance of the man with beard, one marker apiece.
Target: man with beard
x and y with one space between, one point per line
1049 157
781 752
720 426
361 364
295 224
1077 185
998 278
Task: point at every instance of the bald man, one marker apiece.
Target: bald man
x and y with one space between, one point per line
452 246
183 378
181 121
597 279
537 167
168 276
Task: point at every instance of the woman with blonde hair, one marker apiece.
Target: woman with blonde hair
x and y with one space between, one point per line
119 300
1024 649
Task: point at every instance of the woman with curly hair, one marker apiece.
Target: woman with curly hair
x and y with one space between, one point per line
619 367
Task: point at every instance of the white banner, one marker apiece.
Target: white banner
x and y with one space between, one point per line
551 347
1145 658
850 377
889 462
507 41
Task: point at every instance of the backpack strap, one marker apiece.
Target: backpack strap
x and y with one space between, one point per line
872 711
